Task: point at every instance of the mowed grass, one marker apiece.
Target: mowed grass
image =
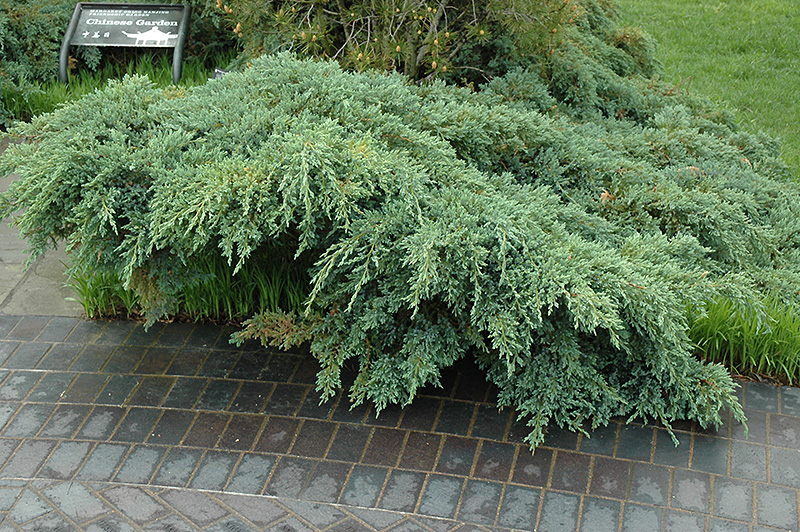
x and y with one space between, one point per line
743 54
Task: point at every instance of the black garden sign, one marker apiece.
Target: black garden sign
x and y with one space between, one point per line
138 25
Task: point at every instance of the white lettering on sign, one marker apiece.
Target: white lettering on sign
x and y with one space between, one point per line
106 22
157 23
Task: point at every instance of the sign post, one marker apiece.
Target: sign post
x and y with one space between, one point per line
137 25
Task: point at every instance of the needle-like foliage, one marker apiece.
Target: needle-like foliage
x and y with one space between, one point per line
555 226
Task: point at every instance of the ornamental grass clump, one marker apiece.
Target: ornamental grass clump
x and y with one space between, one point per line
555 226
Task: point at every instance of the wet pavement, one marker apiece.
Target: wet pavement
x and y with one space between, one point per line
108 427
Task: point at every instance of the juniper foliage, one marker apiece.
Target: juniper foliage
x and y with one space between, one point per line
558 226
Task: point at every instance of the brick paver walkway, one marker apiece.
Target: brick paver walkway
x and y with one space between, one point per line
109 428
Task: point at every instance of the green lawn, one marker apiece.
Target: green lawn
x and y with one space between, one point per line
743 53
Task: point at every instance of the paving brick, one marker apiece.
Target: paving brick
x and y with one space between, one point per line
388 417
670 454
457 456
650 484
151 391
402 491
28 458
777 506
27 355
533 469
7 324
231 524
116 332
756 430
197 507
251 397
289 477
784 431
710 454
519 508
176 334
260 511
691 490
85 388
440 496
124 359
155 361
733 499
217 395
117 390
65 460
346 413
101 422
285 399
76 501
241 432
50 387
57 329
785 467
251 474
325 482
249 366
171 427
92 358
571 472
495 461
203 335
28 328
140 464
65 421
312 408
600 515
600 441
60 357
218 364
18 385
790 401
136 503
635 442
29 507
277 435
480 502
637 518
187 361
171 523
455 417
760 396
723 525
137 425
491 423
28 421
313 438
384 447
214 470
102 462
184 393
684 521
206 429
420 451
364 486
748 461
349 443
177 467
6 349
421 414
560 512
611 477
